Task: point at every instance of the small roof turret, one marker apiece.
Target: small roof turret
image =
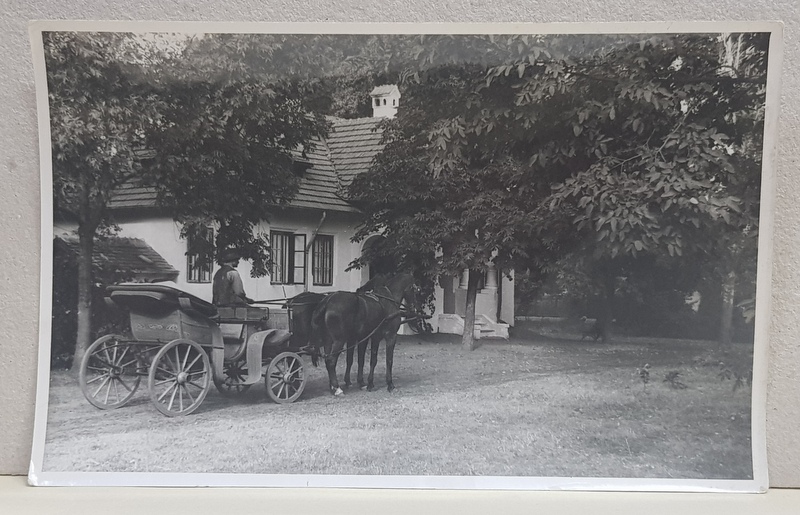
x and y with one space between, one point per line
385 101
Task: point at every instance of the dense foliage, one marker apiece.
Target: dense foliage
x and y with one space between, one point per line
584 158
576 156
98 125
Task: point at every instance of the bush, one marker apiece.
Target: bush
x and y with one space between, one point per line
64 317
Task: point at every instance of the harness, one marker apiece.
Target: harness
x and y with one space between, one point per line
402 311
372 295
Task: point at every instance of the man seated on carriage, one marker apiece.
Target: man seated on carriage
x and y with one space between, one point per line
232 306
228 289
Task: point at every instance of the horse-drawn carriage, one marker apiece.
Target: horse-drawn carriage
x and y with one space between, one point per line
182 345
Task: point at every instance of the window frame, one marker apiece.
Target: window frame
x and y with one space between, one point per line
192 269
322 249
289 260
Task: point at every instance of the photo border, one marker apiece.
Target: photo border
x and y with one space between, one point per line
760 481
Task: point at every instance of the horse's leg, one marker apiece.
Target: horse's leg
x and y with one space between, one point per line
350 351
391 340
373 360
362 352
330 364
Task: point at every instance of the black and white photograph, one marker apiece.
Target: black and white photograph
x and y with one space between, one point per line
417 256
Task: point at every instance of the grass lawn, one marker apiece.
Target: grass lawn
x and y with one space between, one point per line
532 406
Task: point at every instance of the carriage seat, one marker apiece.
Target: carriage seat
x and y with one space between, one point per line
237 323
232 332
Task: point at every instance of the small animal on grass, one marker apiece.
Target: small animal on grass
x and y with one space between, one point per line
592 328
672 378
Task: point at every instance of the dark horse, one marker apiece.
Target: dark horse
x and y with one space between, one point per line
347 320
302 308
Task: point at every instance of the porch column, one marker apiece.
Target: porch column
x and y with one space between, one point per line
491 277
460 296
463 280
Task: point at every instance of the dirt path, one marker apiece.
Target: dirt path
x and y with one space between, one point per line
544 408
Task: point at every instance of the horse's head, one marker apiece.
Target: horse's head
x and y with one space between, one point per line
413 305
402 289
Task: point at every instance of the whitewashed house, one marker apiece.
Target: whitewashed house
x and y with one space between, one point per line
318 207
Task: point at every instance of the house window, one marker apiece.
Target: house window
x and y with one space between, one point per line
322 266
288 258
377 102
197 269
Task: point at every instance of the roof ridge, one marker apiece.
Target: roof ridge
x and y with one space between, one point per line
353 121
330 161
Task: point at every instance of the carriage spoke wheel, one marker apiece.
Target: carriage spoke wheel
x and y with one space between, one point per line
285 378
180 378
108 376
234 374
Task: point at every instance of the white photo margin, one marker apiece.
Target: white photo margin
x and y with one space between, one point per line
759 482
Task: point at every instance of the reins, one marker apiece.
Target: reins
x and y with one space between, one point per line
379 326
379 296
372 294
398 313
270 301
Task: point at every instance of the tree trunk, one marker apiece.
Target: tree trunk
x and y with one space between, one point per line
726 318
468 338
606 317
85 282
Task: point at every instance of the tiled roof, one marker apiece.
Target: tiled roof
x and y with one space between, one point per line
353 145
127 255
132 195
319 185
386 89
349 150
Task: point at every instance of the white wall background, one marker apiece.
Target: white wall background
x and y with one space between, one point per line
19 165
163 235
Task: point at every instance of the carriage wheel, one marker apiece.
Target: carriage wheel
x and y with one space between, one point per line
234 372
285 378
108 374
180 378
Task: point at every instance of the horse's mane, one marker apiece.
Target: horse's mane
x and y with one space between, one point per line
404 279
390 282
373 284
399 285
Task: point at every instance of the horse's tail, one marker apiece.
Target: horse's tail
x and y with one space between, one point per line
318 316
314 341
319 331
